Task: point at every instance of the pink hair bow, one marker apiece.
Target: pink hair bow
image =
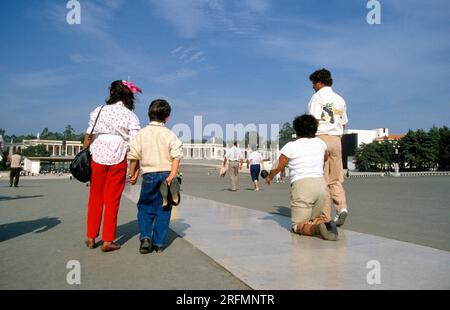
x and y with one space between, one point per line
133 88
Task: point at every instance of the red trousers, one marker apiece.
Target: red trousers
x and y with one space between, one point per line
107 184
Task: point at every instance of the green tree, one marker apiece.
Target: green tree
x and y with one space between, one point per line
443 158
368 157
431 148
409 151
285 134
386 152
44 133
36 151
68 132
420 150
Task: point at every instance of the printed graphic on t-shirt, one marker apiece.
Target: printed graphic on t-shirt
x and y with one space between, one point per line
329 112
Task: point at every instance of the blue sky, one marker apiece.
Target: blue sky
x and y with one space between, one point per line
231 61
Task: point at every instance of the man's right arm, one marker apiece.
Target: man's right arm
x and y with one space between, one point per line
315 107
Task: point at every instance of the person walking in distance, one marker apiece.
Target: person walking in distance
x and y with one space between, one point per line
234 156
330 110
254 163
14 174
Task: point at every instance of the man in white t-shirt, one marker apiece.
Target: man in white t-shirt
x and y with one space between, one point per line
234 156
331 111
305 158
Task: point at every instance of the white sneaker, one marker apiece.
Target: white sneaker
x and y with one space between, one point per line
340 217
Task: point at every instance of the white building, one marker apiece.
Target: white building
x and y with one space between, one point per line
211 151
368 136
61 154
353 138
57 148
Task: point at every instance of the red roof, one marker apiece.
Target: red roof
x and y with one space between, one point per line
391 137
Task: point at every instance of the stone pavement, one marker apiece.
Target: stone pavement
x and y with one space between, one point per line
258 248
42 225
410 209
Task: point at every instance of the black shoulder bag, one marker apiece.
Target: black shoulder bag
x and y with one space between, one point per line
80 167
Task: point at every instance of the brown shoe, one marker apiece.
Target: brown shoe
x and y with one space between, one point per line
110 247
90 243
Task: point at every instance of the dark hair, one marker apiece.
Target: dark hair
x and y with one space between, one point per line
235 143
305 126
322 75
119 92
159 110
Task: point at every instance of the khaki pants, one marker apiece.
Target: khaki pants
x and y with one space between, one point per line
233 170
334 175
308 198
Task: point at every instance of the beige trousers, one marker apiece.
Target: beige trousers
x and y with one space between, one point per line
334 175
308 198
233 171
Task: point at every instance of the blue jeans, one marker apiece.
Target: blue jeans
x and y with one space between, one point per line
152 217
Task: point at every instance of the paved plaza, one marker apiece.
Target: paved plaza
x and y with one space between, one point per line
225 240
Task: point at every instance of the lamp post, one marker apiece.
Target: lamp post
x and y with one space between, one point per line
396 165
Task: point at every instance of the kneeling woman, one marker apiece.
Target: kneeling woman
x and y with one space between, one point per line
305 158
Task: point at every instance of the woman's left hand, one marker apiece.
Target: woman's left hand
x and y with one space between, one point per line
134 177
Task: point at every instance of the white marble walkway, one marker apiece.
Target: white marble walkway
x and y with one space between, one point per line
258 248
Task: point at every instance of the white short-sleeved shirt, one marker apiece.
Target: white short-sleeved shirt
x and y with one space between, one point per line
115 129
234 154
330 110
305 158
255 158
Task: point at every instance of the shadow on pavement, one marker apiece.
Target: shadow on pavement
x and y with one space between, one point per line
181 226
13 230
171 238
281 210
5 198
127 231
275 216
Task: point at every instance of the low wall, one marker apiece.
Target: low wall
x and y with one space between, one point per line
401 174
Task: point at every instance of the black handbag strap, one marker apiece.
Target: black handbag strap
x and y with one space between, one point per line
93 127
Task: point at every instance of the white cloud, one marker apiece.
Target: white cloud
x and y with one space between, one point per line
188 55
193 17
40 79
179 75
98 22
258 6
176 50
79 59
198 57
188 16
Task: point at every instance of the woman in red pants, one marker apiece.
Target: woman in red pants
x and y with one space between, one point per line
116 126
